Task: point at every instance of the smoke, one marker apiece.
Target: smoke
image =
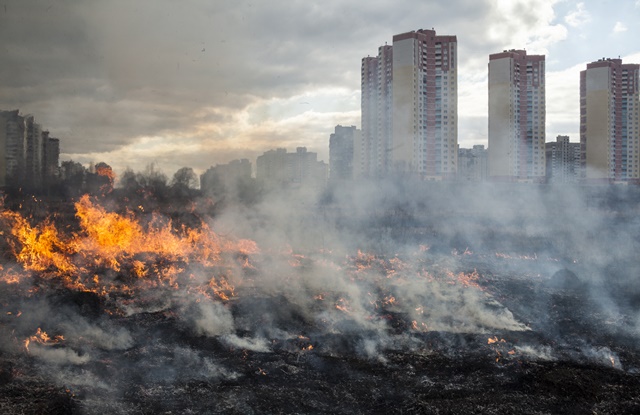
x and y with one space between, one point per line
58 356
529 231
209 319
255 345
363 271
543 353
190 364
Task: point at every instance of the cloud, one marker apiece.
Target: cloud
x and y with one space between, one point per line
563 93
578 17
619 27
206 82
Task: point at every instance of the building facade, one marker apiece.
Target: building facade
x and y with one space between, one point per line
472 164
410 108
28 156
224 178
609 130
341 145
517 116
562 160
302 168
425 105
373 150
51 158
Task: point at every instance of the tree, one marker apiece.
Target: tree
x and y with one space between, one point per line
185 178
104 178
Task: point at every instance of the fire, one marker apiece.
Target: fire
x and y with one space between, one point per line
494 339
38 248
117 237
343 305
155 254
465 279
42 337
422 327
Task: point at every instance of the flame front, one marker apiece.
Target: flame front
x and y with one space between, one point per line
156 254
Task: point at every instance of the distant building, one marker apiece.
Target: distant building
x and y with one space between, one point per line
563 160
224 177
11 146
516 116
472 164
28 156
51 159
374 152
272 166
341 144
609 129
302 168
410 108
425 104
33 152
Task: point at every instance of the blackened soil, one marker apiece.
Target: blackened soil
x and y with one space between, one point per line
310 382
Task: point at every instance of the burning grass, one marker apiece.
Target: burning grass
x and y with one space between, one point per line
125 312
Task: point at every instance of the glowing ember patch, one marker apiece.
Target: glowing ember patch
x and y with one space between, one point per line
494 339
465 279
421 327
343 305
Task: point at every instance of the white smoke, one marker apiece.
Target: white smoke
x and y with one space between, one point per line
254 345
210 319
58 355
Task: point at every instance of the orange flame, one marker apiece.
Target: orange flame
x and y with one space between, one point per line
156 254
42 337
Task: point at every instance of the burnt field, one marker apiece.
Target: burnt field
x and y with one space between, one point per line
388 309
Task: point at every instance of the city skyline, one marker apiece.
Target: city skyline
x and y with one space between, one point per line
203 84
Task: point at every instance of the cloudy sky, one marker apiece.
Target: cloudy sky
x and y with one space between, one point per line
201 82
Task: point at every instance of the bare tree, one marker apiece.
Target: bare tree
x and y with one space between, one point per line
185 178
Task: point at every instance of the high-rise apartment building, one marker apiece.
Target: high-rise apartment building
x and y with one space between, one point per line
51 159
425 104
11 146
609 129
28 156
410 108
562 160
225 178
472 164
373 153
516 116
33 151
302 168
341 144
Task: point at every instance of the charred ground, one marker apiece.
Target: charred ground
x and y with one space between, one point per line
523 312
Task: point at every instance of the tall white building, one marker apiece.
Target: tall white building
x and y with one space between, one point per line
516 116
425 104
410 108
609 121
563 160
341 156
372 151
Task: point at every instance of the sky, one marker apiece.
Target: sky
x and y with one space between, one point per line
199 82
